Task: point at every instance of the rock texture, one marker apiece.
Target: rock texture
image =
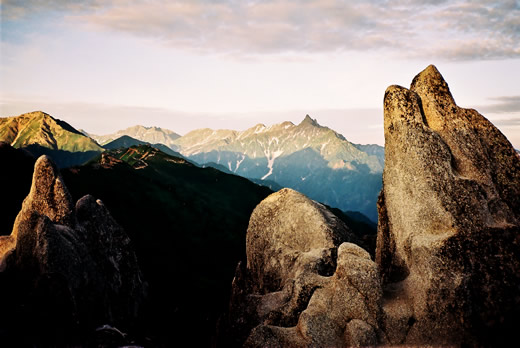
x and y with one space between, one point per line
448 244
304 283
449 221
74 265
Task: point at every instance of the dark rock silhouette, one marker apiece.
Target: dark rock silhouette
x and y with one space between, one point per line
73 265
17 170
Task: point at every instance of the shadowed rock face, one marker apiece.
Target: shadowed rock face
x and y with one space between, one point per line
304 284
71 264
449 220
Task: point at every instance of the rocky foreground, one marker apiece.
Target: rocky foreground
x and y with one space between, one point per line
65 270
447 266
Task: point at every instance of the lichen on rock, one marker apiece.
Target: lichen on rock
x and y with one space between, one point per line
449 220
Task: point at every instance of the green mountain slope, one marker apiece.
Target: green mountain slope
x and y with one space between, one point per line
39 128
40 133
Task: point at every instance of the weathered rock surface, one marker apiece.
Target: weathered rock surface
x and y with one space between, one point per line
449 221
304 283
448 246
73 265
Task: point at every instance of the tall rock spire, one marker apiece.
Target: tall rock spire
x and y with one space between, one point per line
449 219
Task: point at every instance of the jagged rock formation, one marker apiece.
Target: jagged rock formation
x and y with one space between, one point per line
448 245
70 264
449 221
304 284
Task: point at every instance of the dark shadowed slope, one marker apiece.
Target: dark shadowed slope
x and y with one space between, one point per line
188 225
15 176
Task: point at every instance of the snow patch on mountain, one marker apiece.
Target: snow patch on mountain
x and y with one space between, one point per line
239 162
271 156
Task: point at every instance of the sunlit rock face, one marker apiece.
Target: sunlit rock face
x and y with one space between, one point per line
305 284
449 220
447 270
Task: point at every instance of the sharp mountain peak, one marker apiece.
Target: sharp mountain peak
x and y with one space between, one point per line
310 121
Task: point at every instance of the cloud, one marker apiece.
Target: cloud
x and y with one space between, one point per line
506 104
509 122
451 30
18 9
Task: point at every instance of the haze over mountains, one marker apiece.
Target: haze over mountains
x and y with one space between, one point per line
307 157
152 135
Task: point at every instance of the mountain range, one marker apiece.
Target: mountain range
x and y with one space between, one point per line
151 135
307 157
126 141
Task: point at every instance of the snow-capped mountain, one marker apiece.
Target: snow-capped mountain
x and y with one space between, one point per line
308 157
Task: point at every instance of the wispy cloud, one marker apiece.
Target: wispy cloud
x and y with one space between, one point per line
508 122
452 30
505 104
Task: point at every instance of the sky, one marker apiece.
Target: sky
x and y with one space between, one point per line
105 65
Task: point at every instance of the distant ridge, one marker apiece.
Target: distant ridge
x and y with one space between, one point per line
126 141
151 135
279 140
306 157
